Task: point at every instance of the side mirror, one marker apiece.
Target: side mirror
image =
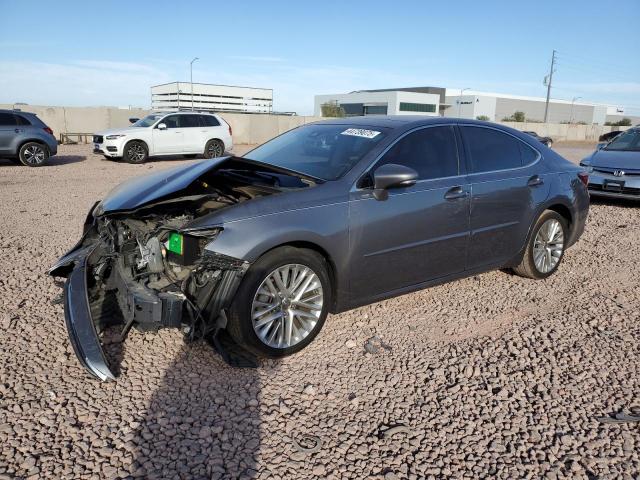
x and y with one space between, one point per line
392 175
161 126
601 145
133 120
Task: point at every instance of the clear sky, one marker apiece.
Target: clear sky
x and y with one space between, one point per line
111 52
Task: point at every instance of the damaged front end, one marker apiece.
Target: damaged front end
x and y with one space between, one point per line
146 268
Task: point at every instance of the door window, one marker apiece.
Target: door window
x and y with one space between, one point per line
189 121
20 120
7 119
432 152
492 150
172 121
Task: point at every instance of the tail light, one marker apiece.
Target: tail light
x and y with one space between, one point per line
48 130
230 130
584 178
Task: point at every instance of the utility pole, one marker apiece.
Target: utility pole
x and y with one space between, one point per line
192 81
573 100
546 107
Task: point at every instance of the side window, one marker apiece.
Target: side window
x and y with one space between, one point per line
432 152
209 121
189 121
7 119
529 155
492 150
172 121
20 120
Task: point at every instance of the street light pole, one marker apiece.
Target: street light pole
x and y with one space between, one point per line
192 81
460 100
573 100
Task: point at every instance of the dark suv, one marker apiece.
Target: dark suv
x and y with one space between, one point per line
25 138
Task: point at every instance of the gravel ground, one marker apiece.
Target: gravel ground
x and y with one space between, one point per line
491 376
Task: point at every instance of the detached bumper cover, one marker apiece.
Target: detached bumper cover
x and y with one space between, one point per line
82 332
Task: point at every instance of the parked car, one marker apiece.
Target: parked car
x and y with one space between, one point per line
614 169
26 139
607 137
266 245
548 141
185 133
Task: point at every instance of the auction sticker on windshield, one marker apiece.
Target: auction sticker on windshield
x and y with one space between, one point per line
359 132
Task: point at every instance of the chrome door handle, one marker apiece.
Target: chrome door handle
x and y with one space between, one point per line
455 193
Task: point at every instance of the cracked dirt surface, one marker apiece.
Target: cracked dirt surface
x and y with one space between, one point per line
491 376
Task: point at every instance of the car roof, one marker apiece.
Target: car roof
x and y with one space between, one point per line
20 112
183 112
402 121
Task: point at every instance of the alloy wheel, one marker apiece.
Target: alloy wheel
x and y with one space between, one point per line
136 152
287 306
548 246
34 155
214 150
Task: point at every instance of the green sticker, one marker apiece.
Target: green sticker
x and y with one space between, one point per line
175 243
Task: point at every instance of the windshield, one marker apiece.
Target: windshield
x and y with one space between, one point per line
326 152
627 141
147 121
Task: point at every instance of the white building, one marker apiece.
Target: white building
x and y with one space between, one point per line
498 106
211 98
381 102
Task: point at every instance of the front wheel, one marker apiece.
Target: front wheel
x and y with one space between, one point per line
213 149
135 152
545 247
33 154
282 302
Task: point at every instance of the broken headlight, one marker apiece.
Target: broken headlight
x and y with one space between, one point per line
185 248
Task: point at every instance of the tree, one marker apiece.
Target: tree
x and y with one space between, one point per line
625 122
483 118
332 109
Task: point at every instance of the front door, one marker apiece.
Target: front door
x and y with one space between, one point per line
418 233
171 139
8 131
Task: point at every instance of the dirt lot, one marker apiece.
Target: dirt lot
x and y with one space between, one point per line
492 376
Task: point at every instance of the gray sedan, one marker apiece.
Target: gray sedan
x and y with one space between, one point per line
614 169
252 253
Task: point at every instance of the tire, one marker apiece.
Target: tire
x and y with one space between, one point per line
190 155
304 328
551 257
135 152
33 154
213 149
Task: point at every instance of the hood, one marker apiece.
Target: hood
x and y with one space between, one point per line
116 131
617 160
141 190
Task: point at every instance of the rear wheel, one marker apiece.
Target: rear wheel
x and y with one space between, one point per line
545 247
135 152
33 154
282 302
213 149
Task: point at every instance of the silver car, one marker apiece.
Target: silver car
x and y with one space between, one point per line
614 169
26 139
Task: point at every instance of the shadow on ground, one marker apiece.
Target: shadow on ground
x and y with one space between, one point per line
56 160
203 421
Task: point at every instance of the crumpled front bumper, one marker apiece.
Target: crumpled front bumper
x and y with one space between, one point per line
77 312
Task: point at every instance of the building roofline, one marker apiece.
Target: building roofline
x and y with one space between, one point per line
211 85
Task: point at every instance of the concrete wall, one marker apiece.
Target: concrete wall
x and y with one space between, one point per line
258 128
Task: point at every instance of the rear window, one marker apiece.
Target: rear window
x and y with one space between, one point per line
492 150
20 120
209 121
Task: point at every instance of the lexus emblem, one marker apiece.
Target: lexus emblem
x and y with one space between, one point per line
618 173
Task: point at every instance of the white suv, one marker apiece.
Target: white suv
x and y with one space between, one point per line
186 133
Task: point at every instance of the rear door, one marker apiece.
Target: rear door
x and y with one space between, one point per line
170 140
193 133
508 182
420 232
8 127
